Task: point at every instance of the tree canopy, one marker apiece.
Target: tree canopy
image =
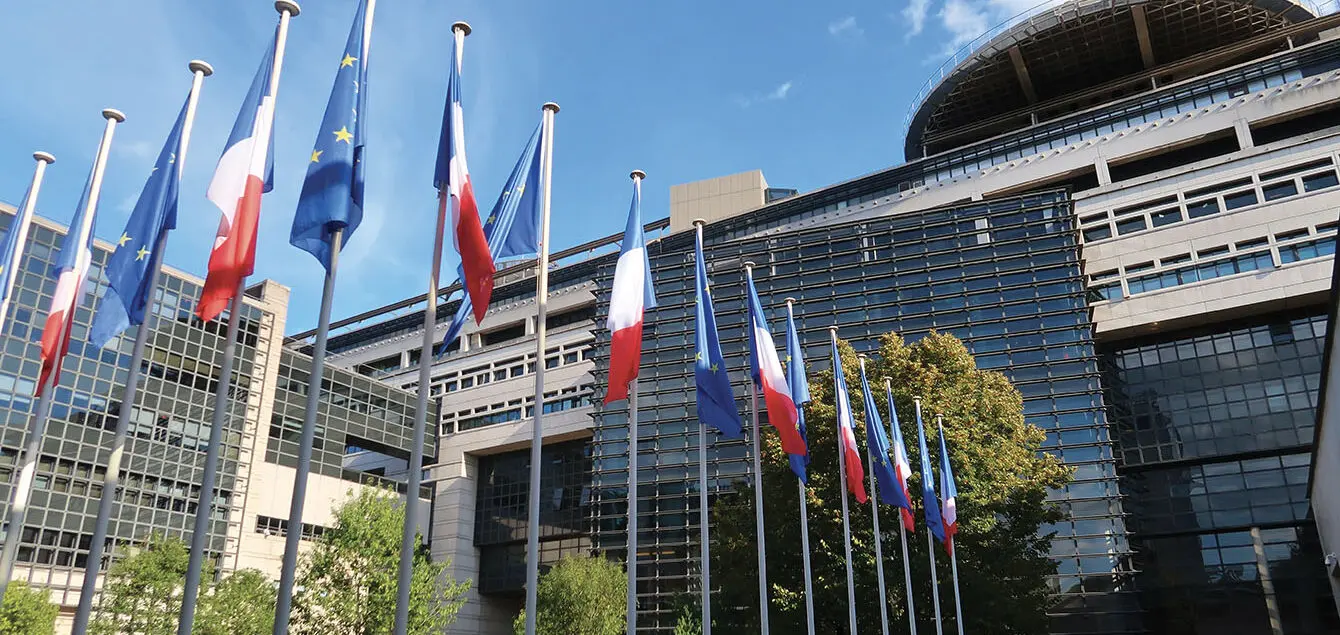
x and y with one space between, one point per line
1002 478
27 611
580 596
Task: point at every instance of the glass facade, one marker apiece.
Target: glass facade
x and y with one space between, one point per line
502 512
170 427
1004 276
1214 432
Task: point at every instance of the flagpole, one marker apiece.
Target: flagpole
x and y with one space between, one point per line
537 429
111 479
222 402
804 516
879 540
22 221
19 498
288 571
930 543
953 554
631 562
902 534
758 495
704 546
846 518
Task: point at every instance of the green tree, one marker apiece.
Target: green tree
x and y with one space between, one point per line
27 611
142 591
1002 477
348 579
580 596
241 604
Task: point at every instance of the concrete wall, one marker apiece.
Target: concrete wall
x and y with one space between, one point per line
716 198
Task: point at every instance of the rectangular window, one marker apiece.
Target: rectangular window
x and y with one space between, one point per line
1238 200
1201 209
1314 182
1131 225
1098 233
1276 191
1165 217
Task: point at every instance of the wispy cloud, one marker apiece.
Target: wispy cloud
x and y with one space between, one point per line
776 94
965 20
141 149
845 27
915 15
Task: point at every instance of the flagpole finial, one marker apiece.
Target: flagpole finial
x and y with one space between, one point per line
789 300
637 175
699 222
550 106
833 330
917 399
748 264
462 26
288 6
862 356
201 66
112 113
44 157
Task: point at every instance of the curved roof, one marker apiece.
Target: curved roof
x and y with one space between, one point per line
1066 48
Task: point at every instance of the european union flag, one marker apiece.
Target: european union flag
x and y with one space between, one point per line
10 246
800 392
508 238
332 194
130 269
890 492
716 401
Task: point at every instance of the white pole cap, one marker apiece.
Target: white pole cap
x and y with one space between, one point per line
748 264
699 222
44 157
550 106
789 300
463 26
288 5
637 174
112 113
201 66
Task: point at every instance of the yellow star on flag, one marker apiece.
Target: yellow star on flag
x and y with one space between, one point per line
316 155
348 60
344 135
125 238
714 368
698 356
139 255
492 217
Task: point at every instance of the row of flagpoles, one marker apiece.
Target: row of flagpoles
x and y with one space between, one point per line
330 209
785 393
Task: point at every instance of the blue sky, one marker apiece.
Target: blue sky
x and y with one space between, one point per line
811 93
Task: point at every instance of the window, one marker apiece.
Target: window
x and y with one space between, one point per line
1239 199
1279 190
1200 209
1131 225
1314 182
1165 217
1098 233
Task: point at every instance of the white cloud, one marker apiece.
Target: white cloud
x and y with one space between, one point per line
141 149
965 20
846 27
915 14
776 94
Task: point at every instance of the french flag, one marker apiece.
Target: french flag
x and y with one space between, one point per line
632 295
245 171
851 455
452 180
901 466
948 492
768 374
71 270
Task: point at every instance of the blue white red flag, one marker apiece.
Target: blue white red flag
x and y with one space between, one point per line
71 271
632 295
244 173
902 467
933 520
11 250
452 180
769 376
948 492
851 455
800 393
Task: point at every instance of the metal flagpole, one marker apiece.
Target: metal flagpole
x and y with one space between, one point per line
22 221
846 518
804 521
537 429
631 562
879 540
758 495
415 476
953 554
902 534
199 71
289 569
222 402
930 543
705 546
18 504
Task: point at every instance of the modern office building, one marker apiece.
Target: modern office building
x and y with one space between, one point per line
364 433
1129 208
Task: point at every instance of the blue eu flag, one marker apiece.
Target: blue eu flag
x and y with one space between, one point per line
130 267
800 392
332 194
716 402
890 492
513 227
